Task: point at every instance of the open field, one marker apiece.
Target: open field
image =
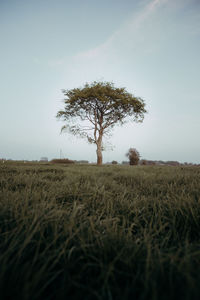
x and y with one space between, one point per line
110 232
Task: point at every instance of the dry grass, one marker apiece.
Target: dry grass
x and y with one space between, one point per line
87 232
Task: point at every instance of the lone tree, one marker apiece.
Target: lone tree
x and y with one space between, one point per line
92 111
133 156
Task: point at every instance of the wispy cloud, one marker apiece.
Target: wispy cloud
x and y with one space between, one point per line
146 35
149 9
133 24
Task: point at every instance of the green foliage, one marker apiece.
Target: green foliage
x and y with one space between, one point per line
114 162
100 103
92 111
115 232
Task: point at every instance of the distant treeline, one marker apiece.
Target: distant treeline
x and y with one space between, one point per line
141 162
161 162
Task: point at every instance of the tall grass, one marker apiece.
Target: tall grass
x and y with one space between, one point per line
111 232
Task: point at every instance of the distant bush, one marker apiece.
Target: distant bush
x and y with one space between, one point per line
133 156
114 162
62 161
143 162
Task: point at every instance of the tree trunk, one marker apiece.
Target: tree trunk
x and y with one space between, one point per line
99 151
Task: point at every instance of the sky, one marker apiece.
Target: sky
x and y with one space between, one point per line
150 47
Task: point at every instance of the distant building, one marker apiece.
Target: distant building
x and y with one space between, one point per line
82 162
172 163
44 159
125 162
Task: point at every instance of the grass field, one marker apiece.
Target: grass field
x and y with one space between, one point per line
110 232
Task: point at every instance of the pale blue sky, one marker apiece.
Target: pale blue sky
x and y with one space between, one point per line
150 47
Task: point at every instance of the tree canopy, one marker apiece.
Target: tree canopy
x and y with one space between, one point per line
92 111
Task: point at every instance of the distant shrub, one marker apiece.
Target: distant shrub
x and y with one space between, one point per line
133 156
143 162
114 162
62 161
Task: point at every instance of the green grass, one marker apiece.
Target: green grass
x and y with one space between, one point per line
110 232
